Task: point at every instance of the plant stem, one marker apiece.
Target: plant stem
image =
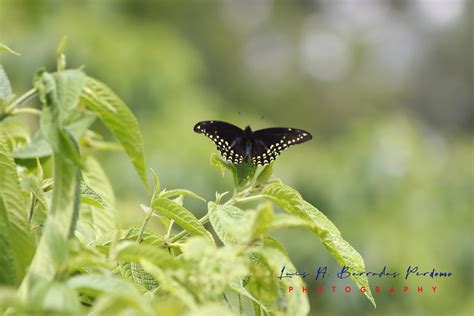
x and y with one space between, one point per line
22 99
26 111
145 221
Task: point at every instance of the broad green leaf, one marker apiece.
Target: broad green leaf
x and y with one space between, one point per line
59 298
140 276
242 174
158 256
229 223
59 94
7 49
177 192
15 132
234 226
95 177
39 146
245 173
262 221
15 237
264 175
296 302
119 119
69 85
170 284
96 216
5 87
289 221
211 269
95 284
239 289
91 197
149 237
290 200
181 216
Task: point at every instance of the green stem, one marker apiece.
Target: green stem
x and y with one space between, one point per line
145 221
203 220
26 111
22 99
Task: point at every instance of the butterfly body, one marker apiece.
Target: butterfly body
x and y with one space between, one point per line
259 147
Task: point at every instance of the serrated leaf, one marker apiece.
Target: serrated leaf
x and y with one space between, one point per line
177 192
91 197
5 87
95 176
158 256
15 237
211 269
119 119
290 200
7 49
181 216
169 284
15 132
229 223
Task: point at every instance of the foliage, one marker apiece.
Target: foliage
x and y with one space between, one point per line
62 252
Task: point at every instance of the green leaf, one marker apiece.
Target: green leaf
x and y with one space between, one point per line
15 132
57 298
39 146
264 175
16 239
156 255
242 173
94 284
239 289
181 216
156 184
177 192
119 119
262 221
290 200
211 269
229 222
7 49
170 284
95 177
5 87
295 303
91 197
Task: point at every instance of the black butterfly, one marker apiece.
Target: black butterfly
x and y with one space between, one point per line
260 147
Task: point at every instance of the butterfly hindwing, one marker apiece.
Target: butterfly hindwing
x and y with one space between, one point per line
270 142
260 147
227 137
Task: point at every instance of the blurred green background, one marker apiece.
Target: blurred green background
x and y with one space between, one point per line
385 87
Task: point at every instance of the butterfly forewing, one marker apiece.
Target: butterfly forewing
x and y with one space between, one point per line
228 138
260 147
270 142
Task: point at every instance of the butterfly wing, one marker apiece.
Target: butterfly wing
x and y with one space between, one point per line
270 142
227 137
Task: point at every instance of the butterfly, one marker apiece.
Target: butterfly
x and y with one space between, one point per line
260 147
